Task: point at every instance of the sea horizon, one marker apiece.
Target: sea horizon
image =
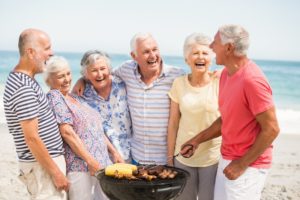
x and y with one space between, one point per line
163 55
283 76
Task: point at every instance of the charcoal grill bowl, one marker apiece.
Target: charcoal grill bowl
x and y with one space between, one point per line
159 189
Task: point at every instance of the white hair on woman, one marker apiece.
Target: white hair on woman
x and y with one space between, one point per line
90 57
236 35
135 38
55 64
193 39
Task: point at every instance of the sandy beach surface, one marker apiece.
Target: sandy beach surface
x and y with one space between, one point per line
283 182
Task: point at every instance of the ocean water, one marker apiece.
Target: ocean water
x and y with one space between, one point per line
284 77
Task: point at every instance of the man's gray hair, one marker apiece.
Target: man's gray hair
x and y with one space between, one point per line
193 39
90 57
236 35
135 38
55 64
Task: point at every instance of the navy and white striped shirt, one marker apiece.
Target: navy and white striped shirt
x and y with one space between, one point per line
149 108
23 100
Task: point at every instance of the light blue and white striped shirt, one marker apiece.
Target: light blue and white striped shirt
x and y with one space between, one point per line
149 108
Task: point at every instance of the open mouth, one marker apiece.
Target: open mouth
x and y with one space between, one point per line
199 65
65 86
152 62
100 79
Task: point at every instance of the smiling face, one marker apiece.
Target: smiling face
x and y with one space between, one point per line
98 74
61 80
219 49
38 49
43 52
147 56
199 58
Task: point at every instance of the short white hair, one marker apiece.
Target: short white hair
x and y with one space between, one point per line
135 38
55 64
236 35
90 57
195 38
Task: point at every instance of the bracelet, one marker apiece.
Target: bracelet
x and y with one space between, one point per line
169 159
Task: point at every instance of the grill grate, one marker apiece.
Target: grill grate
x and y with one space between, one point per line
157 189
158 181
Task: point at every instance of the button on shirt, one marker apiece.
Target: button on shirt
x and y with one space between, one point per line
149 108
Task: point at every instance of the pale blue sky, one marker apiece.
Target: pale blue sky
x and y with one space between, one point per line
79 25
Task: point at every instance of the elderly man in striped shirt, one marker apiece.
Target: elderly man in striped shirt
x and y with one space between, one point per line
30 120
148 80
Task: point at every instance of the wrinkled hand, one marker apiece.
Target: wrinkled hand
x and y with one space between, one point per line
188 149
60 181
234 170
79 87
170 161
215 73
94 166
118 158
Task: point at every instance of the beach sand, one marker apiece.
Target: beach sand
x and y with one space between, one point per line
283 182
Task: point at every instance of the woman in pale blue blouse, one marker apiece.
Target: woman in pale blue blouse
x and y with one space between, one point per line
107 94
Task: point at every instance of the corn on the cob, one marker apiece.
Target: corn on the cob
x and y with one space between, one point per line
126 165
120 168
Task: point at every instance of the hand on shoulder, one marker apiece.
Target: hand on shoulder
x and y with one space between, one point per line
216 73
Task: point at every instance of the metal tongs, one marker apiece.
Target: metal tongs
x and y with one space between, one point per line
190 148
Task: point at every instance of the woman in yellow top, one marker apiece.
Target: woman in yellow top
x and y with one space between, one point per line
194 107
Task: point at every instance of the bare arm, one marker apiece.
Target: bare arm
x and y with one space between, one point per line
269 131
188 148
79 87
172 130
41 154
72 139
116 156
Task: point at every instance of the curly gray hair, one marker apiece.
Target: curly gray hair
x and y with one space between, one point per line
90 57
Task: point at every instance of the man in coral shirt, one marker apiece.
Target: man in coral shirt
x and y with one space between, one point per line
248 122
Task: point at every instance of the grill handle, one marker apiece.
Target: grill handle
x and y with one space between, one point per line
146 162
168 188
99 172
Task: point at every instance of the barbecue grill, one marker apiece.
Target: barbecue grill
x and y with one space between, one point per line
157 189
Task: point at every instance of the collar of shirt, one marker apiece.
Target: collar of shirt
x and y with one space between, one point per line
138 76
91 93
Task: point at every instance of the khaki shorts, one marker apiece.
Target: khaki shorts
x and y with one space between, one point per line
39 183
